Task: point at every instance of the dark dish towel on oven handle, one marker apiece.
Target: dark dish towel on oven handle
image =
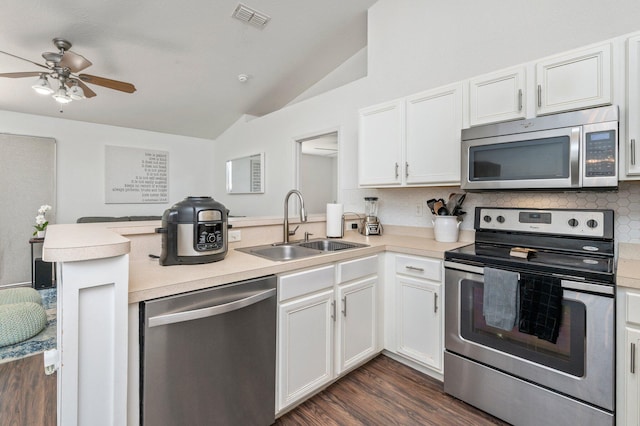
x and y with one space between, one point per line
540 306
500 298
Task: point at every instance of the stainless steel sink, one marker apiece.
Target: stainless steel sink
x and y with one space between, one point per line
299 250
330 245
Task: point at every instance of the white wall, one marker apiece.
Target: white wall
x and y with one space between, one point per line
318 182
414 45
80 163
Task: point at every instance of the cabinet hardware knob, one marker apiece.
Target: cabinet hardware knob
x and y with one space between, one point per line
435 303
633 152
333 310
344 306
406 169
397 171
632 364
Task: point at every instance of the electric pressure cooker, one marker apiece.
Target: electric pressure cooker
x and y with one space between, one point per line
193 231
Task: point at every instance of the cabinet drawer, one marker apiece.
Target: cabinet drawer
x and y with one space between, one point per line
358 268
430 269
305 282
633 308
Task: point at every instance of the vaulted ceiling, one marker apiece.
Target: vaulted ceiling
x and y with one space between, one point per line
184 58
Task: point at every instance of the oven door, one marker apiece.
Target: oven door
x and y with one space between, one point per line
534 160
581 362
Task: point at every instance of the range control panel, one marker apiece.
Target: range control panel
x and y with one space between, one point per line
588 223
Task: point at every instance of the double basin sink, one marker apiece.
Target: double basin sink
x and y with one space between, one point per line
299 250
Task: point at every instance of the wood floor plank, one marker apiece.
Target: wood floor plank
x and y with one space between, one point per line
27 395
385 392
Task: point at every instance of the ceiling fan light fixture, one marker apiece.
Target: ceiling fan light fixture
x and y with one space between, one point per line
42 86
61 96
76 93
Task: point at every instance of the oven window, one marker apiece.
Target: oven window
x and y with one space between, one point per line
546 158
567 354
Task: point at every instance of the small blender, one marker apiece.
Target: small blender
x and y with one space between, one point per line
370 224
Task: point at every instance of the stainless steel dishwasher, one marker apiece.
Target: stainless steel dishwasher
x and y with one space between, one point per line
208 357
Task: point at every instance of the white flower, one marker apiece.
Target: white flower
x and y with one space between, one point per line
40 220
44 208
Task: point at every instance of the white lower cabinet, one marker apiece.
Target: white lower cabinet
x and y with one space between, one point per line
628 358
305 346
416 310
327 325
356 337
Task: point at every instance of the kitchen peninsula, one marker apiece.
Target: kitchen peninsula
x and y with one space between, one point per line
105 270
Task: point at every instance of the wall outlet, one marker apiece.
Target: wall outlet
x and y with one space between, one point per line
234 235
418 209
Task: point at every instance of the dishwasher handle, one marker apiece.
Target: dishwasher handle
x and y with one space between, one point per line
210 311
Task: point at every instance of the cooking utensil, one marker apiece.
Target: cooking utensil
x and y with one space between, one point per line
430 204
443 211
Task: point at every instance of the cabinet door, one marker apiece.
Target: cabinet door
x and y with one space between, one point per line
419 321
578 80
434 122
632 144
499 96
305 348
357 323
632 370
381 133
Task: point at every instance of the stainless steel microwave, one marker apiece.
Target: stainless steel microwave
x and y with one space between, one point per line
568 151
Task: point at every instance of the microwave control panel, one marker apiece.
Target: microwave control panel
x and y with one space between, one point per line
600 154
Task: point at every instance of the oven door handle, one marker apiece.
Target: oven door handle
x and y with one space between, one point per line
568 284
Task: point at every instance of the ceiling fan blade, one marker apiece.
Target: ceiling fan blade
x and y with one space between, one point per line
18 57
20 74
74 61
108 83
88 93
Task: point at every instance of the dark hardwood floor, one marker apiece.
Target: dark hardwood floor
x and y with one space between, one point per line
382 392
27 395
385 392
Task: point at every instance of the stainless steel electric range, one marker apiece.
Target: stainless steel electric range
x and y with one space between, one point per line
530 316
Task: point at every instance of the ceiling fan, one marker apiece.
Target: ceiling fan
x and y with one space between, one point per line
64 66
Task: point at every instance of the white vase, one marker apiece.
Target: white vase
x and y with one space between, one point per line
41 234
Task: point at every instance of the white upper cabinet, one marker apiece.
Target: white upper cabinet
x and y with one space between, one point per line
412 141
579 79
381 134
434 122
498 96
632 142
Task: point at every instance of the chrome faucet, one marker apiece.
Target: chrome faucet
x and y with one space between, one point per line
303 214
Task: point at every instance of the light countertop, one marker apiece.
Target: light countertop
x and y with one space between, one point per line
149 280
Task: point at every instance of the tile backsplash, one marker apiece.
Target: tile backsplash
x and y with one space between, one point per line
407 206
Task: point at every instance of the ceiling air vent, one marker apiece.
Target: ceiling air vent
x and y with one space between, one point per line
251 16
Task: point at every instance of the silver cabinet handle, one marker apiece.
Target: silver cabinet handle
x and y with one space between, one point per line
632 364
520 100
435 303
414 268
406 169
211 310
344 306
333 310
539 96
633 152
397 171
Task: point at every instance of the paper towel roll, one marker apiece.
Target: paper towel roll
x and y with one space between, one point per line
334 220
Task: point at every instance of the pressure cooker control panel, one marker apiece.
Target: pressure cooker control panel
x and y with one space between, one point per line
209 231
